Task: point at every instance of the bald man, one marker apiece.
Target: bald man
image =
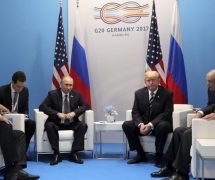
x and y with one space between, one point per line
178 153
151 115
63 107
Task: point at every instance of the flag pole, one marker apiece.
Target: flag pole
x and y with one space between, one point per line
60 2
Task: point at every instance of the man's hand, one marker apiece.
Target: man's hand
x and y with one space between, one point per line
142 127
209 117
4 109
198 115
4 119
62 116
145 129
70 115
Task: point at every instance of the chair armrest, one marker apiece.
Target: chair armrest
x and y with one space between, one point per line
128 115
89 119
18 121
180 118
190 116
40 119
201 129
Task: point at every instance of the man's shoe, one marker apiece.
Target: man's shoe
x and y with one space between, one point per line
178 176
55 159
164 172
11 176
139 158
24 175
3 171
12 172
74 158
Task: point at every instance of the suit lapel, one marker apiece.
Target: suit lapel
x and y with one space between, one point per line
71 96
8 96
59 99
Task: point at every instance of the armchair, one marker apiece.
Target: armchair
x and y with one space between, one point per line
179 119
202 129
18 121
65 136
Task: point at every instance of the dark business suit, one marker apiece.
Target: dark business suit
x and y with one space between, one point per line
12 144
160 117
178 152
6 100
53 105
211 97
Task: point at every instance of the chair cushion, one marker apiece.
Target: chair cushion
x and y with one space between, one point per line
147 138
63 135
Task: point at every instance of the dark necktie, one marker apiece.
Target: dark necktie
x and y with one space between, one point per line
66 104
151 101
15 103
66 109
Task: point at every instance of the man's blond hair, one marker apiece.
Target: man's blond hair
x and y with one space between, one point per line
151 74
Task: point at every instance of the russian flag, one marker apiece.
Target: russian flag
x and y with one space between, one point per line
176 76
79 70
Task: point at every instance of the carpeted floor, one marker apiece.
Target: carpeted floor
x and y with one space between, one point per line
92 169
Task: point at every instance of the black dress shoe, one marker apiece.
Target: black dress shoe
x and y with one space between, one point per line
24 175
12 172
164 172
178 176
3 171
74 158
139 158
11 176
55 159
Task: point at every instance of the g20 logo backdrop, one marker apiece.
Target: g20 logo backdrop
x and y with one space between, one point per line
128 12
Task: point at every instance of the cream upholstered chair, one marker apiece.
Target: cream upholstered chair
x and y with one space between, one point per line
65 136
202 129
179 120
18 121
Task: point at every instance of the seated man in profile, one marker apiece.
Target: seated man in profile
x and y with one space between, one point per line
63 107
178 153
151 114
15 96
13 144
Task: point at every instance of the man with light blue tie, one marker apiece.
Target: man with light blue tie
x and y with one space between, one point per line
63 107
15 96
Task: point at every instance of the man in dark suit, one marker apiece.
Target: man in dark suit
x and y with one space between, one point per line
13 144
63 107
151 114
178 153
14 96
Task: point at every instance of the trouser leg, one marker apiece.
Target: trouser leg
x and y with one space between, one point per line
161 132
79 129
53 136
183 158
29 131
132 134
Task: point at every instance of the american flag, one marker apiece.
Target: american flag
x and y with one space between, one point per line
154 54
61 67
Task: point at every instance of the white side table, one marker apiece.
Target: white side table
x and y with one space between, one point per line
104 126
205 150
